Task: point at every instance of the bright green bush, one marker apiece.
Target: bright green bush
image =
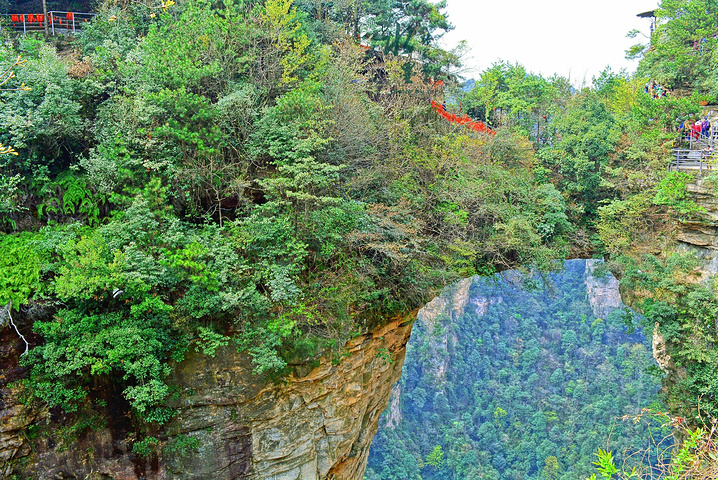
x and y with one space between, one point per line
21 264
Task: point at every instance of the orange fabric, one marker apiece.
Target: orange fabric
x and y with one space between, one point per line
14 18
69 15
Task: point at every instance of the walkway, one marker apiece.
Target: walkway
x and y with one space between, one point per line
699 154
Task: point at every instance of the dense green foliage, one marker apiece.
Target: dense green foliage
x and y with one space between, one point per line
245 172
685 312
521 384
241 171
607 149
680 54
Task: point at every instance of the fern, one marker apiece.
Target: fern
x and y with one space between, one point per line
72 196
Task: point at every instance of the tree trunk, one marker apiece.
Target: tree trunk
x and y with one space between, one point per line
44 17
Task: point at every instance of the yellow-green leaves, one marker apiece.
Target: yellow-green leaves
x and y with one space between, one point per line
289 36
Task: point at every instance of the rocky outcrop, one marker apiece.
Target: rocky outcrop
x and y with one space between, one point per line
316 424
15 418
450 304
602 290
700 232
394 413
697 236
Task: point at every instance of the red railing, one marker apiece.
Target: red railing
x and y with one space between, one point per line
57 22
468 122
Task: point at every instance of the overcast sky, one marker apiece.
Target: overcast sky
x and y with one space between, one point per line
569 37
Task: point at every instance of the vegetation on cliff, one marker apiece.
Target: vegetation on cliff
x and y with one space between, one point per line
244 172
271 173
607 149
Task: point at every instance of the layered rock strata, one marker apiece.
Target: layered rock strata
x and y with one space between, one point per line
316 424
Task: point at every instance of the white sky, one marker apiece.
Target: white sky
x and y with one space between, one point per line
569 37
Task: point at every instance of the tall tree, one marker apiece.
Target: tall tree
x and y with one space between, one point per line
679 55
404 26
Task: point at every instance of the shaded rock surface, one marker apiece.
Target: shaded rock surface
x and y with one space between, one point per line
452 302
314 425
699 235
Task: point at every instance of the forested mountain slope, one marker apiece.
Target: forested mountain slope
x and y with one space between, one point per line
508 383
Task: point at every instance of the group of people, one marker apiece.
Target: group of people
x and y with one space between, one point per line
654 89
697 129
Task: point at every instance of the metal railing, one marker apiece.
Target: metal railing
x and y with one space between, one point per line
700 141
57 21
686 159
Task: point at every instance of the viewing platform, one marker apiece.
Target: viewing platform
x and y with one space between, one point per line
696 152
58 23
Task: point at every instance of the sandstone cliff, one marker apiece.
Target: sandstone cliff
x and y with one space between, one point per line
316 424
699 236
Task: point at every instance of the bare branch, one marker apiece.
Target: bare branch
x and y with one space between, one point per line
9 73
7 310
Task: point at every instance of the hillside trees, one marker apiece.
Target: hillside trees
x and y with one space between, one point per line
508 95
217 173
680 53
586 137
651 203
405 26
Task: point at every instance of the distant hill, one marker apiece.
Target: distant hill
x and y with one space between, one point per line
504 383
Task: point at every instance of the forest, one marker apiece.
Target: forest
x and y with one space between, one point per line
532 385
271 174
237 172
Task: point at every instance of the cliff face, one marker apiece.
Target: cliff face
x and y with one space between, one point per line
603 293
699 236
317 424
451 302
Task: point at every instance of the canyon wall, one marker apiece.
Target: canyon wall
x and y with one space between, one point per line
315 424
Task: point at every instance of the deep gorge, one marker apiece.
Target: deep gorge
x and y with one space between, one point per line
510 380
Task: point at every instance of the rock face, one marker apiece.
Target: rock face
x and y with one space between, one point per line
701 234
698 236
15 418
315 425
451 302
602 291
